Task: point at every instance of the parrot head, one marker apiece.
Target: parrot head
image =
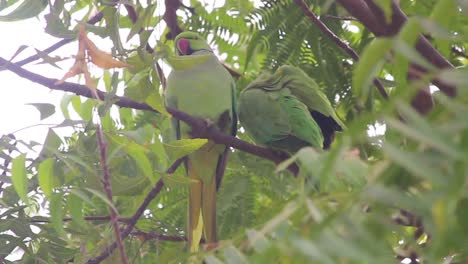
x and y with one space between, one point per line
188 43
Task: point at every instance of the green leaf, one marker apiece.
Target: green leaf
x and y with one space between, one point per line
71 123
76 104
180 148
56 27
75 207
210 259
156 102
6 3
56 212
51 144
82 195
428 137
409 34
17 52
462 214
19 178
370 63
47 59
103 197
64 103
413 55
86 109
234 256
13 210
45 109
46 176
419 129
138 25
310 250
436 30
139 155
257 240
27 9
415 164
441 11
457 77
386 6
174 180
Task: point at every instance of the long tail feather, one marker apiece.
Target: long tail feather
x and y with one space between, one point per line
209 211
195 219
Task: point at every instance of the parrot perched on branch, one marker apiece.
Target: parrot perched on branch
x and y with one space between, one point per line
287 111
200 86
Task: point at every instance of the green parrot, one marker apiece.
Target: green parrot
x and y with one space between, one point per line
200 86
287 111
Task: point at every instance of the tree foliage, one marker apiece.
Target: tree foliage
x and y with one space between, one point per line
383 198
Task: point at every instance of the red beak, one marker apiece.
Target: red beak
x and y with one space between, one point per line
183 45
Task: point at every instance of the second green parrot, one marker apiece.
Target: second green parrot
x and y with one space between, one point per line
287 111
200 86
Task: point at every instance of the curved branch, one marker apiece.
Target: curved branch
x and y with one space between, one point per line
157 236
170 17
139 212
340 43
371 17
86 218
108 190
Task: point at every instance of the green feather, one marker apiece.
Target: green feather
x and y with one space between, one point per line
287 111
200 86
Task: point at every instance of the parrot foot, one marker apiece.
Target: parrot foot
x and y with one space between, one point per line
210 246
209 124
199 132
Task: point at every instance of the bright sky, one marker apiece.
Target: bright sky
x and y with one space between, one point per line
16 91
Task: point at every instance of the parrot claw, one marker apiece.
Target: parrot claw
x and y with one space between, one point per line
210 246
208 125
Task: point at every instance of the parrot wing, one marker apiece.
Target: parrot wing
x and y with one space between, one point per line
277 119
308 91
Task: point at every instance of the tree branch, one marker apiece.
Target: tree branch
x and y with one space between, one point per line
152 235
87 218
372 17
108 189
139 212
340 43
170 17
199 125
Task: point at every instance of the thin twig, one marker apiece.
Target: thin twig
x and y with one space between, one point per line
132 14
86 218
343 45
139 212
7 161
343 18
157 236
108 190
